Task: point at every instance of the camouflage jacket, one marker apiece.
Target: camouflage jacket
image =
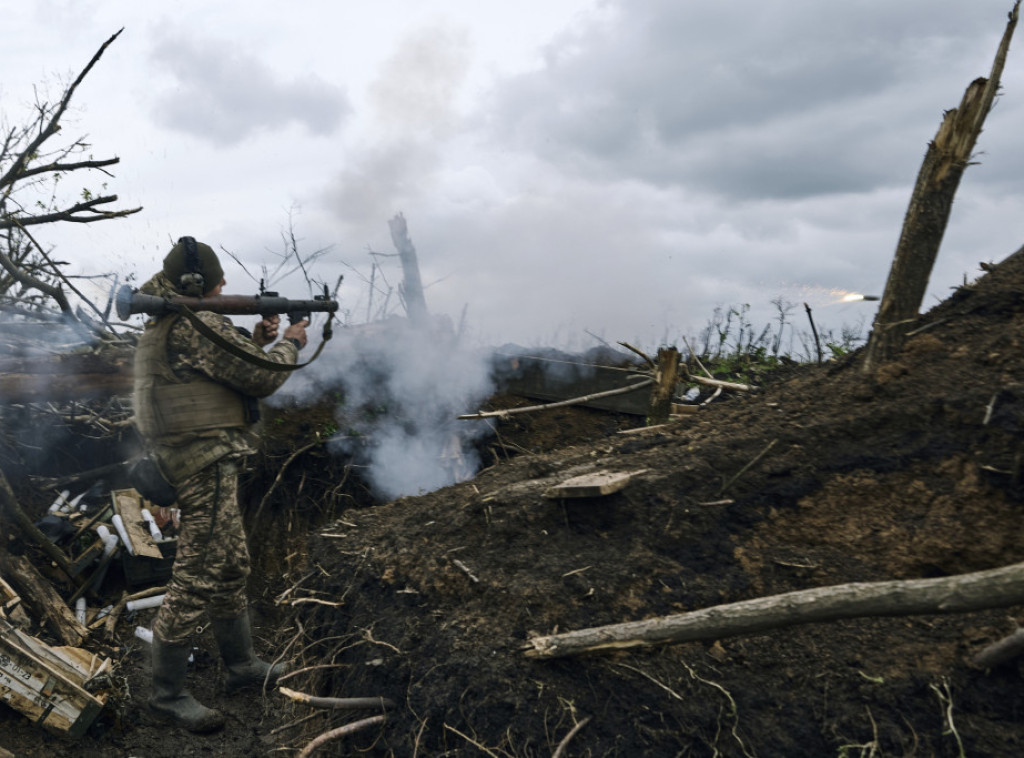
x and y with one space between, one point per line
193 358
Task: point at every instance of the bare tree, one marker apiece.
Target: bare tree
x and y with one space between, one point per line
31 169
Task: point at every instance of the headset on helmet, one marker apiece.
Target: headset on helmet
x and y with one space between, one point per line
192 282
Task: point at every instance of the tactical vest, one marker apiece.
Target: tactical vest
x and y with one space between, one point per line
182 420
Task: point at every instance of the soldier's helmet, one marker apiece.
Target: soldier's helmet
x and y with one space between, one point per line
193 267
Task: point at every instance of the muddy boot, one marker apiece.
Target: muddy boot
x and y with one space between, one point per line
169 699
234 638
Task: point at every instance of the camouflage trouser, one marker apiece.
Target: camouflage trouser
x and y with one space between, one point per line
212 565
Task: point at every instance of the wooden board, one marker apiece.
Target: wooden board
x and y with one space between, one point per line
592 485
129 503
45 684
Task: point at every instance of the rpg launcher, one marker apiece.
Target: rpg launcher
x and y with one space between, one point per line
130 302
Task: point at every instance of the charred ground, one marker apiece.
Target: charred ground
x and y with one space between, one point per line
430 600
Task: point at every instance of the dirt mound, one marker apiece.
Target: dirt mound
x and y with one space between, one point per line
913 472
824 476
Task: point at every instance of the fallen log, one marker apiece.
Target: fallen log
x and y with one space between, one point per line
995 588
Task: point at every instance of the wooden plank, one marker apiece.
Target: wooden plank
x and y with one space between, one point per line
128 504
45 685
592 485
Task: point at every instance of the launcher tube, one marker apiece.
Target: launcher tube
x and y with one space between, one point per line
129 303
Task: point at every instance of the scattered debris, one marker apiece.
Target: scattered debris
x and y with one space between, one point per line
63 688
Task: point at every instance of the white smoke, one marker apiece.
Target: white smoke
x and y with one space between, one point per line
402 386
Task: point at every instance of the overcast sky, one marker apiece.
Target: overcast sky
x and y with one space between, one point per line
618 167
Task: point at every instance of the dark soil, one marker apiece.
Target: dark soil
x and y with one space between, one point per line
869 478
430 601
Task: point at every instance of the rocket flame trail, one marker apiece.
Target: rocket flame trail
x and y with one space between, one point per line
851 297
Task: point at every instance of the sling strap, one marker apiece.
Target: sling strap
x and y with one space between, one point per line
238 352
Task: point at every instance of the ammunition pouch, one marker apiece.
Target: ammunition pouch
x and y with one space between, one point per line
149 481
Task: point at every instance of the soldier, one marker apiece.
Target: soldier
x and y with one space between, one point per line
195 406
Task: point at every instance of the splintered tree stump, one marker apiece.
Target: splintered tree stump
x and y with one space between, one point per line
945 161
412 286
666 376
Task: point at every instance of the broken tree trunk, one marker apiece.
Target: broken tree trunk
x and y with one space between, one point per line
996 588
415 302
43 600
666 375
947 157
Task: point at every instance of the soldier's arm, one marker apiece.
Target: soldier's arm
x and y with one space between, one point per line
201 354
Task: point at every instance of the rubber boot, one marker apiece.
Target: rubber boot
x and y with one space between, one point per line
169 699
234 638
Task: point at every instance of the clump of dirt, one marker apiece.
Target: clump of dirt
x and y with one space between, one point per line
912 472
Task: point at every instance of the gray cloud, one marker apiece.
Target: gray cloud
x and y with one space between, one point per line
224 95
750 100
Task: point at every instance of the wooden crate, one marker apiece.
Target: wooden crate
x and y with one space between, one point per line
151 564
46 683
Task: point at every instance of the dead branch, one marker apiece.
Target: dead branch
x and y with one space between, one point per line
721 384
295 723
746 468
280 475
17 168
995 588
32 282
307 669
341 731
337 703
21 149
647 359
1000 652
565 740
560 404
